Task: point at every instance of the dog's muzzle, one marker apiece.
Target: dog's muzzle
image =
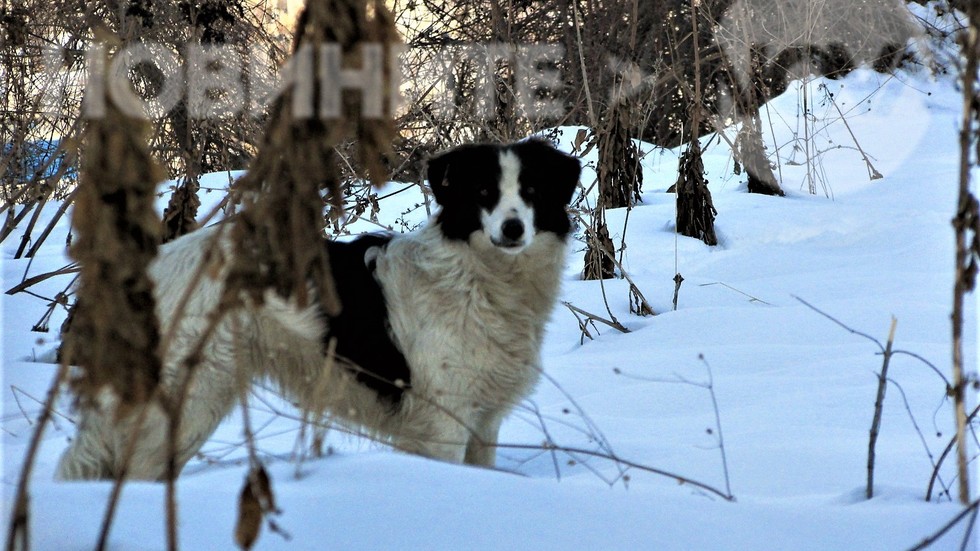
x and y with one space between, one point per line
511 234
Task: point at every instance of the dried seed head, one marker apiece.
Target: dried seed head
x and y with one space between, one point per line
249 517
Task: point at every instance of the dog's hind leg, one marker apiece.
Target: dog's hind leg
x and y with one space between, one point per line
105 435
105 438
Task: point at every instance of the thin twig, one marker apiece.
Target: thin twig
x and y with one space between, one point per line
947 527
593 429
729 287
928 363
709 386
547 435
840 323
942 456
18 534
72 268
626 462
611 323
622 270
174 409
593 121
969 530
583 327
721 438
879 402
873 173
915 425
121 476
25 239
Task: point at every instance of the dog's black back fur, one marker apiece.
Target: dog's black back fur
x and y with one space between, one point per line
361 328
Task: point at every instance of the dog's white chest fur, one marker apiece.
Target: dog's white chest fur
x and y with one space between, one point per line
470 321
480 317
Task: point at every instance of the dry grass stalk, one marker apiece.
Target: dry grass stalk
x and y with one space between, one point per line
114 334
935 477
279 235
695 210
599 256
18 532
879 403
967 226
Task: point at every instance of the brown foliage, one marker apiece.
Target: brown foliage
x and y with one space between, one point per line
620 174
620 178
114 334
695 211
180 216
599 259
277 235
255 501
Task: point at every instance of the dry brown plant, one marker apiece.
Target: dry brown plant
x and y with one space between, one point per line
967 227
695 209
114 337
285 188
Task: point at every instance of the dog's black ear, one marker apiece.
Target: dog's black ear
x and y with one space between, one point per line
450 172
567 173
444 169
437 172
560 168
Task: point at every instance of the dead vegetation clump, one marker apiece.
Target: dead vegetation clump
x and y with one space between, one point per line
750 151
296 172
180 216
115 336
695 210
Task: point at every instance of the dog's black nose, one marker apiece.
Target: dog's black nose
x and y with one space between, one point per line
512 229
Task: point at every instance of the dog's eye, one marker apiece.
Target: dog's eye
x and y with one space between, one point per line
484 192
529 190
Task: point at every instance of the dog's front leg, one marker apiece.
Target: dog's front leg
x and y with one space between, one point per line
482 447
442 436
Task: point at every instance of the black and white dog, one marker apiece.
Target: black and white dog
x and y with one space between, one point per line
439 336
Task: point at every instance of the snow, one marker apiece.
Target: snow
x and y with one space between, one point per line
795 392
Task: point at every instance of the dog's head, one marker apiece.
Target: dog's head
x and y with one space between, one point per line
505 193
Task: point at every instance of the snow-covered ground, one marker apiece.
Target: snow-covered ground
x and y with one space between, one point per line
795 392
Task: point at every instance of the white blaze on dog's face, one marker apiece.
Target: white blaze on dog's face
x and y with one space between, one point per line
503 196
510 223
